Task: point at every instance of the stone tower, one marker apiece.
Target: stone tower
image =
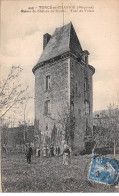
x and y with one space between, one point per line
63 91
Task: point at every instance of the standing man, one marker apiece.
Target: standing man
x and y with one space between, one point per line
58 150
52 150
28 155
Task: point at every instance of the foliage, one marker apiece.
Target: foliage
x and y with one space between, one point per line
67 121
29 134
106 132
4 136
19 135
15 135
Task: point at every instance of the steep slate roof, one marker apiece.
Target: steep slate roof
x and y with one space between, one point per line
64 39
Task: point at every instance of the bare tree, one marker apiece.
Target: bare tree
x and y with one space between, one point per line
66 120
12 91
107 128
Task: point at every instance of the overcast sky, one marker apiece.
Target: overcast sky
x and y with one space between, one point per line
98 32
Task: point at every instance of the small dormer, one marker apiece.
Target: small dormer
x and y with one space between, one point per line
46 38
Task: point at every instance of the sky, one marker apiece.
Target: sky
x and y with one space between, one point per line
98 32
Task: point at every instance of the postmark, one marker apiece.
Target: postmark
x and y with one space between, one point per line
104 170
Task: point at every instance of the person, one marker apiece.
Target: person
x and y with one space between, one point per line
44 151
47 151
58 150
66 155
28 155
4 148
38 152
52 151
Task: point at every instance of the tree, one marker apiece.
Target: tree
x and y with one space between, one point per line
67 121
4 136
11 91
106 133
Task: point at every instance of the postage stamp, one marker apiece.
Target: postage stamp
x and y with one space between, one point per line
104 170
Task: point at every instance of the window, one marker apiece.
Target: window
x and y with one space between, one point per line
76 87
47 82
87 107
47 107
46 127
79 111
72 106
86 85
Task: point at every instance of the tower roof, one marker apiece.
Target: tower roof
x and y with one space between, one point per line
64 39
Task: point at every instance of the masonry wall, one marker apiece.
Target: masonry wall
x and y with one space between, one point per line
58 94
90 76
67 77
78 97
77 103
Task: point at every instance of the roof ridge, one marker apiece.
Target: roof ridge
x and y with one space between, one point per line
74 41
70 34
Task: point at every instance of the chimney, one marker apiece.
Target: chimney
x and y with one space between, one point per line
46 38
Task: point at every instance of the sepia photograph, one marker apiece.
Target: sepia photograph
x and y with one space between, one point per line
59 96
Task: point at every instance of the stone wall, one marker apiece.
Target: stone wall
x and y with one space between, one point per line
77 103
58 95
83 122
67 77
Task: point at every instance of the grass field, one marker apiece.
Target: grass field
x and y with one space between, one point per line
48 175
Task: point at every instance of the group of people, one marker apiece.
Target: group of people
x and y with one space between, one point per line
53 152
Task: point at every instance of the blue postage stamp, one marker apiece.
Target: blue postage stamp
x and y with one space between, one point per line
104 170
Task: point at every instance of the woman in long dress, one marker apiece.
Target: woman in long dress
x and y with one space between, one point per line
66 155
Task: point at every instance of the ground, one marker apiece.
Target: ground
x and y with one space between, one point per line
48 175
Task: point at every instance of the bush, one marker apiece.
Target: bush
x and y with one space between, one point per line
103 150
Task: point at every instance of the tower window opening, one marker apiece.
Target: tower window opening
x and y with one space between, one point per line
87 107
46 127
79 111
86 85
47 82
76 87
47 107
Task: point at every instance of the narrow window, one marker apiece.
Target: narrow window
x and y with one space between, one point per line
76 87
47 107
46 127
98 115
86 59
79 111
72 106
87 107
86 85
47 82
